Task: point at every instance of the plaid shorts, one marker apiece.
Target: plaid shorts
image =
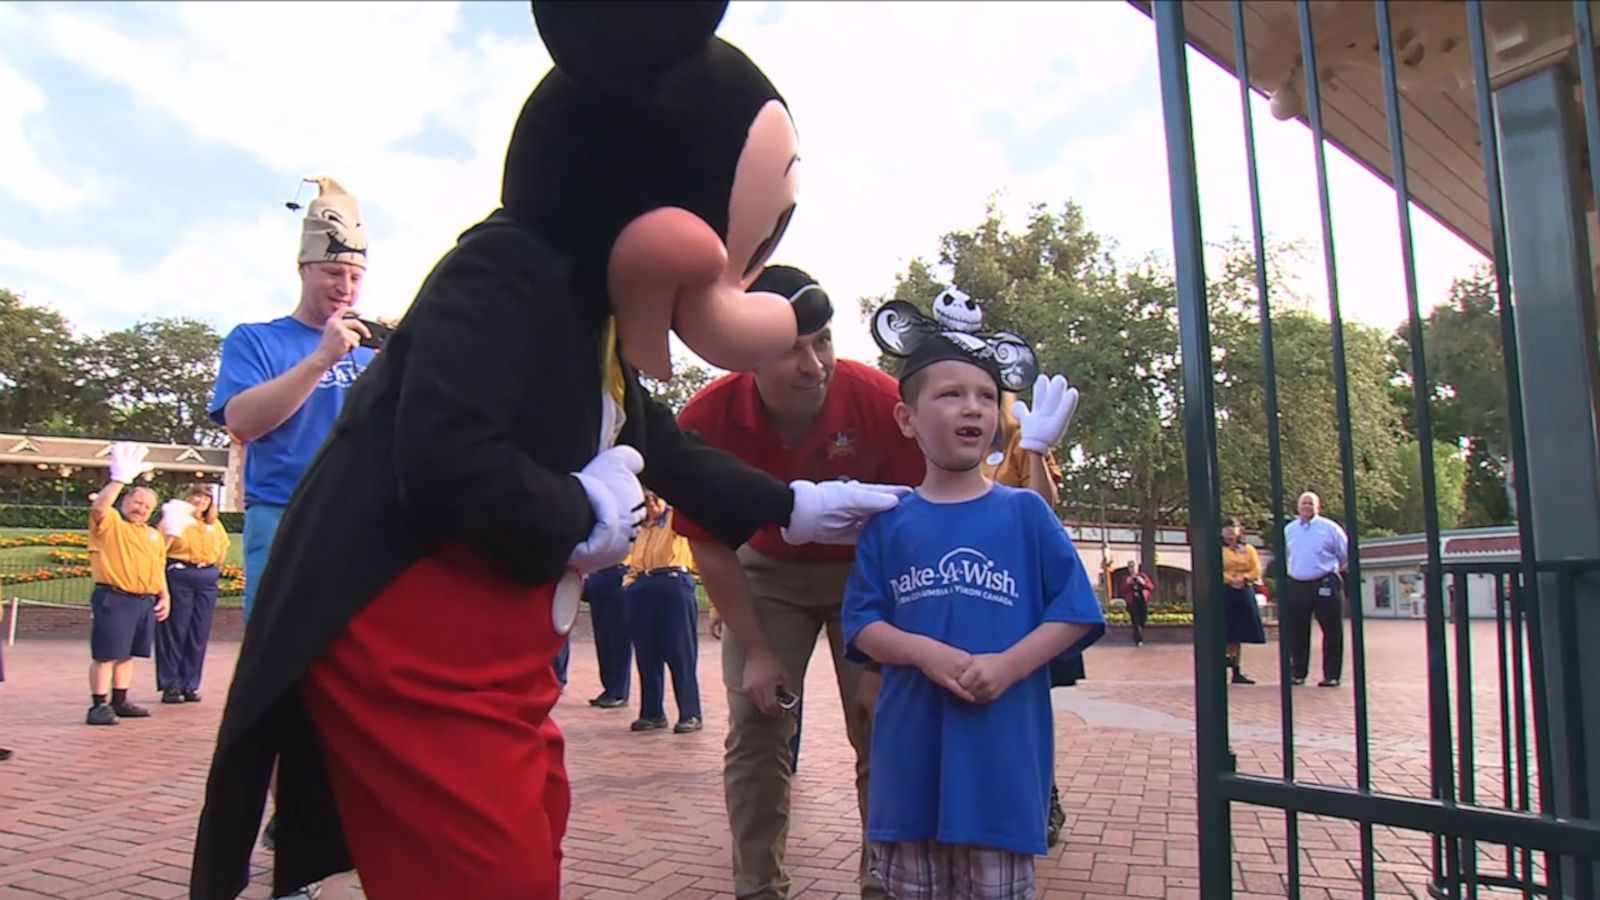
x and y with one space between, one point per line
930 870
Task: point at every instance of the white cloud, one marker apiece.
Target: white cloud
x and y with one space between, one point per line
22 175
890 100
204 277
305 88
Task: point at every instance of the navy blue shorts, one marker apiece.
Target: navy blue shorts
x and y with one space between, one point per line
124 624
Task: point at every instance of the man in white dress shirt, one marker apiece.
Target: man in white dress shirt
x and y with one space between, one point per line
1318 552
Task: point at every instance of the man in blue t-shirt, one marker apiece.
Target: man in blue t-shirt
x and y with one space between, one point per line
963 593
282 383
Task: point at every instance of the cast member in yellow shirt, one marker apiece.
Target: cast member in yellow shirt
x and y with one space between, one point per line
127 559
196 546
664 620
1241 572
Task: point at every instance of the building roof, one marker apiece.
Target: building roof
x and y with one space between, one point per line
44 452
1444 161
1498 544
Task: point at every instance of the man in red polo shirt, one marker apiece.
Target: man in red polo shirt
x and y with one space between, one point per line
803 415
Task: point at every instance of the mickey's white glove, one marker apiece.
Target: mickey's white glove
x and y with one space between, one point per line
127 462
834 512
612 483
1053 405
176 515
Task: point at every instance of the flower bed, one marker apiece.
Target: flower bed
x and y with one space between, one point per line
59 539
50 574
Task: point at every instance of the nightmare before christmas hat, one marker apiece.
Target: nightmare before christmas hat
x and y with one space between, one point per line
953 333
332 231
812 308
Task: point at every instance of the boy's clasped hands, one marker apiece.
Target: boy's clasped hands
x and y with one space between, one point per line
977 678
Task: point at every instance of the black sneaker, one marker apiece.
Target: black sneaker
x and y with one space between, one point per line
126 710
648 724
688 725
191 696
1297 681
1242 678
1328 682
1058 817
269 835
101 714
606 701
4 754
172 695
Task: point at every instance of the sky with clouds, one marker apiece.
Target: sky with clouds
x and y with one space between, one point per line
146 150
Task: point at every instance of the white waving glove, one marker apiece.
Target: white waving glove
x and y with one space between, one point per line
834 512
176 515
611 480
127 462
1053 406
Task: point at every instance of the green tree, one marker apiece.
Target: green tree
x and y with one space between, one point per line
1466 366
1308 421
1114 332
152 382
1404 513
38 366
687 380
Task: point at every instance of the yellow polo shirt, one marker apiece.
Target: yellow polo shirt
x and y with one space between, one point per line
201 544
131 558
658 547
1243 561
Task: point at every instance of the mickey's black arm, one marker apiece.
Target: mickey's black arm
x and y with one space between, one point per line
471 379
711 488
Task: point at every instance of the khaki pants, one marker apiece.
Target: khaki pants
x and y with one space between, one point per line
794 602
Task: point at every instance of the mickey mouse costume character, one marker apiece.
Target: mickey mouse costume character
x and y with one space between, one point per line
398 663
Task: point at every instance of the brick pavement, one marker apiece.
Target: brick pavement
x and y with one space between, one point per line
92 813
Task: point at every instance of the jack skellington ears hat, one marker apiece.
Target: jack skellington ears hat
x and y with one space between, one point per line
954 332
812 308
645 109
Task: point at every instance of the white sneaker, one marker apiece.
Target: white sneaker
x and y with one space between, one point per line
310 892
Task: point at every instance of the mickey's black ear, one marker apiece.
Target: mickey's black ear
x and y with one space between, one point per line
624 40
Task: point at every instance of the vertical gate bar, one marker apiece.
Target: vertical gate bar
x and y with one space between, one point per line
1520 705
1467 755
1528 585
1578 784
1525 607
1200 446
1269 365
1584 39
1341 386
1421 391
1502 659
1541 733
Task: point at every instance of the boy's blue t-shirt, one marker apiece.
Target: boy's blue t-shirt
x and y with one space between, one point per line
259 352
980 576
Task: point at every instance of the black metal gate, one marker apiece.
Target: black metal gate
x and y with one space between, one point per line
1524 822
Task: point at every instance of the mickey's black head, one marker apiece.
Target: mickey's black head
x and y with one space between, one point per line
662 161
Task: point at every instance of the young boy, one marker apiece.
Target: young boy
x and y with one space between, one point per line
963 593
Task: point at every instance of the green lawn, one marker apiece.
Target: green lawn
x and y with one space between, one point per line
73 591
76 591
